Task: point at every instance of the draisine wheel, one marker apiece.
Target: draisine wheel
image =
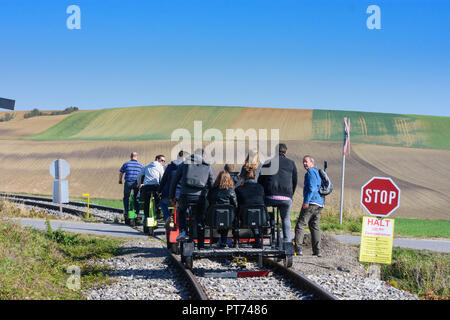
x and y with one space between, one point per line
288 261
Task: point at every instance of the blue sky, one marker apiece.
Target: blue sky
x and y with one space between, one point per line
294 54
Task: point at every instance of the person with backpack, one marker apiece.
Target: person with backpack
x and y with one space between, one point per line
196 177
164 186
149 179
222 192
313 203
279 188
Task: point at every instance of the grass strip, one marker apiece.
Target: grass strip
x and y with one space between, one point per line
422 272
34 264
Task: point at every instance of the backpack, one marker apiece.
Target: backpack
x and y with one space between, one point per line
196 175
326 187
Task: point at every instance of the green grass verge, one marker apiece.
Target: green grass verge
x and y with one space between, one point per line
419 228
34 264
422 272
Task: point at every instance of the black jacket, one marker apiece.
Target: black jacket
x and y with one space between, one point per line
180 176
250 193
284 182
222 196
169 175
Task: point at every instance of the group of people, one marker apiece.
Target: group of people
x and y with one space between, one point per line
189 181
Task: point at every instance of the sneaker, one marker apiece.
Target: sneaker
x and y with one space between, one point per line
298 252
317 254
167 223
182 236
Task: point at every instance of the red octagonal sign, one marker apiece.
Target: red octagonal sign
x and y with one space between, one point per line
380 196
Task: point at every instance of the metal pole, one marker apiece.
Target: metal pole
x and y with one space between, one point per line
59 185
342 177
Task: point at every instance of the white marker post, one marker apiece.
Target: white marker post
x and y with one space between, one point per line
346 144
60 169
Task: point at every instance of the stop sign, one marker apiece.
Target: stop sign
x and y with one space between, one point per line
380 196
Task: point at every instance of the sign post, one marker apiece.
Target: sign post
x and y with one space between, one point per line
87 195
60 169
346 144
380 197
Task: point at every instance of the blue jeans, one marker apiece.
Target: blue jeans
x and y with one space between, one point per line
164 205
128 186
284 206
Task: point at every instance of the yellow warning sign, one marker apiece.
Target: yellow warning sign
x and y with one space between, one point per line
376 240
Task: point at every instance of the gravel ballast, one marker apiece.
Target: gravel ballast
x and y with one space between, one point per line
141 273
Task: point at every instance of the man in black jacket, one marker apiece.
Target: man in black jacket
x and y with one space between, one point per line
196 177
164 187
279 188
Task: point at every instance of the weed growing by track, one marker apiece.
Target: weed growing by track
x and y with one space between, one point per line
422 272
9 209
34 264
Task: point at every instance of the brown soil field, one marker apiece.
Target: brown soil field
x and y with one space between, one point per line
421 174
20 127
294 124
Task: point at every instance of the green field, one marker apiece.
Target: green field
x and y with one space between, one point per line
138 123
158 123
383 128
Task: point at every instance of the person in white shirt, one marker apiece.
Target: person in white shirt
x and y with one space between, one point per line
149 180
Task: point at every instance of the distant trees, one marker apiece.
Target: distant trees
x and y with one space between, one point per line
35 112
8 116
65 111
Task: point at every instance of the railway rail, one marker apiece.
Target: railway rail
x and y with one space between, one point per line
297 281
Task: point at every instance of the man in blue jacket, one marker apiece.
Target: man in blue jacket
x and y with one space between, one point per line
311 208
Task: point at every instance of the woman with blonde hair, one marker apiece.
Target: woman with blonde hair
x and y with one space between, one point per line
252 163
222 192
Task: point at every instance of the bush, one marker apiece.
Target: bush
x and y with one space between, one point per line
65 111
8 116
36 113
33 113
422 272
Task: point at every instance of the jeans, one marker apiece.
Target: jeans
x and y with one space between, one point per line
310 216
128 186
285 208
164 205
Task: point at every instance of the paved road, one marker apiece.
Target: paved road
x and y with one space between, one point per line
118 230
418 244
104 229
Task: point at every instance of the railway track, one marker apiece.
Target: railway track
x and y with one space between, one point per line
74 208
202 285
297 285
